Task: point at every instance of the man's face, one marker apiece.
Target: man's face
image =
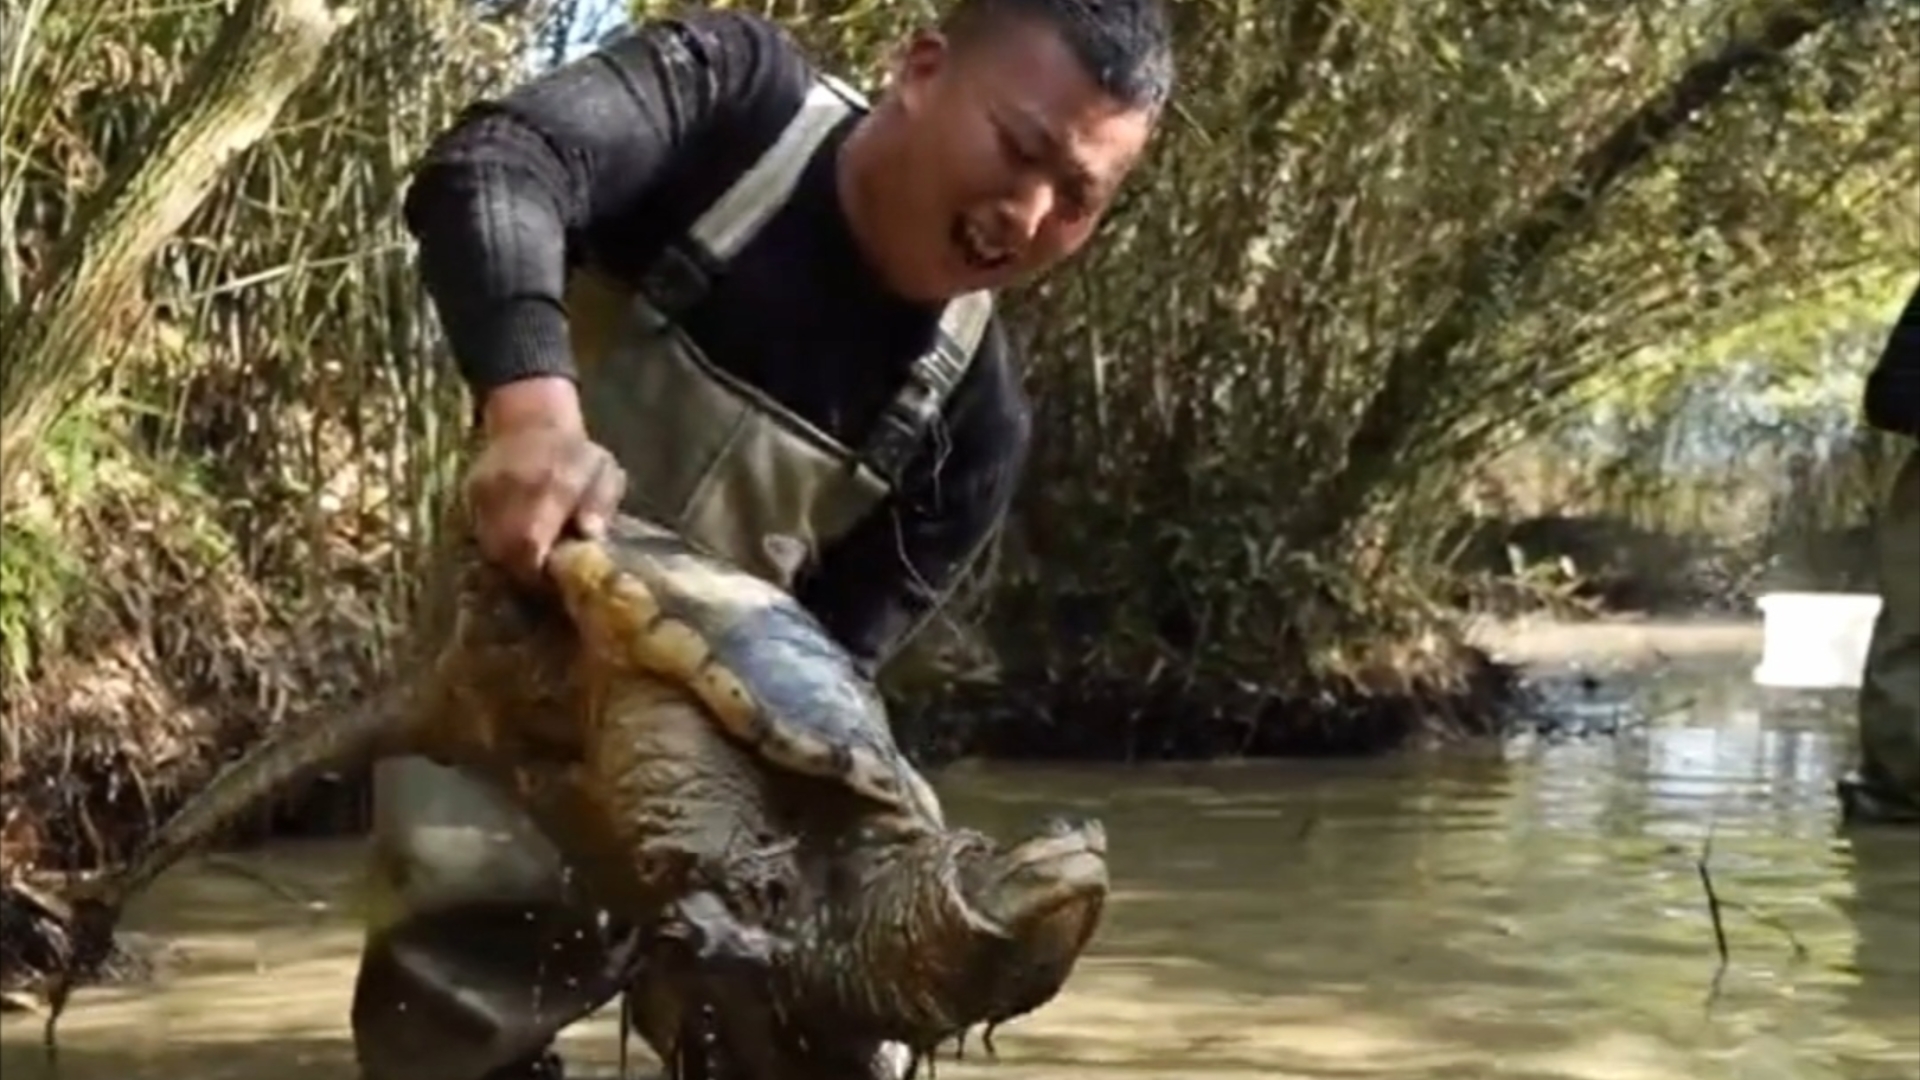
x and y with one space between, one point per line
1012 155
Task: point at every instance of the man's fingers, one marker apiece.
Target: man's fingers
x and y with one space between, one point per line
605 489
509 546
517 538
545 521
531 489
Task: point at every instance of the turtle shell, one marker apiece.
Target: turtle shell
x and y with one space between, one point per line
769 673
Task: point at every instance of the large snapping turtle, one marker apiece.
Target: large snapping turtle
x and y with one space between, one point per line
694 742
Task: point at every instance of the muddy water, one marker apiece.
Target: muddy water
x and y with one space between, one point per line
1532 912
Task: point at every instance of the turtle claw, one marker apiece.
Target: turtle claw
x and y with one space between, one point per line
986 1041
916 1059
697 1055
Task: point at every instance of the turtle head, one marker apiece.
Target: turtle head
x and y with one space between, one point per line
924 934
1055 881
1044 896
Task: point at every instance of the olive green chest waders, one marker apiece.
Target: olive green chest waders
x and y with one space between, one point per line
1887 786
478 948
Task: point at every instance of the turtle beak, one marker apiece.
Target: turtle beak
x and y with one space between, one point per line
1053 884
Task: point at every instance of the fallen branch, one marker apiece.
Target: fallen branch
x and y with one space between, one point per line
75 322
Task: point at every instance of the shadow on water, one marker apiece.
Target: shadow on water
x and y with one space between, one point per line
1529 912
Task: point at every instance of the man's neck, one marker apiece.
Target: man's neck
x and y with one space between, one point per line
859 168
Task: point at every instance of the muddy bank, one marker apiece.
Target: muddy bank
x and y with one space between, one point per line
1619 566
77 802
174 668
1075 722
1479 693
1468 694
167 657
78 812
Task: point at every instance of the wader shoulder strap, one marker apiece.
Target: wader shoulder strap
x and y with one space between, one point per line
930 381
684 270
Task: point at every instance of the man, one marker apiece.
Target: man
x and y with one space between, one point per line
1886 786
1883 910
689 276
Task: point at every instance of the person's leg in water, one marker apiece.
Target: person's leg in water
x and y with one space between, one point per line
478 948
1886 786
1882 1000
478 952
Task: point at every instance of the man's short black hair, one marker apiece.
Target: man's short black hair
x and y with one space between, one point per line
1125 45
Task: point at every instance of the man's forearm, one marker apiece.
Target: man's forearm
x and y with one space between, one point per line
493 258
503 196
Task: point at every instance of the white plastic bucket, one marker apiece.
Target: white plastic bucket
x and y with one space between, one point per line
1815 641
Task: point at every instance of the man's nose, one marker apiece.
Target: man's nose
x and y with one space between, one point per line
1027 211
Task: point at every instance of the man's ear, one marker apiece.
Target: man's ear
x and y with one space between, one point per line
920 60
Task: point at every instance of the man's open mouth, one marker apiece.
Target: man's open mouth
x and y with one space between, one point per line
975 249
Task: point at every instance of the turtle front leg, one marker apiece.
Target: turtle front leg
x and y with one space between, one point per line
690 820
715 939
686 810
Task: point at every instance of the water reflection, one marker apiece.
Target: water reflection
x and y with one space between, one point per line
1528 913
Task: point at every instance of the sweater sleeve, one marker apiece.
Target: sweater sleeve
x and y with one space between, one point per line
1893 386
505 200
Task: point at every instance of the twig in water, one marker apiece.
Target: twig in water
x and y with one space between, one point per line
1772 923
1713 913
233 867
1306 827
1715 905
1713 899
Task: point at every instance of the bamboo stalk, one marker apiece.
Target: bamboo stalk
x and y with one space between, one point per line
77 323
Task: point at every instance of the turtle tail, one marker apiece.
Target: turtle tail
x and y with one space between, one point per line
285 756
